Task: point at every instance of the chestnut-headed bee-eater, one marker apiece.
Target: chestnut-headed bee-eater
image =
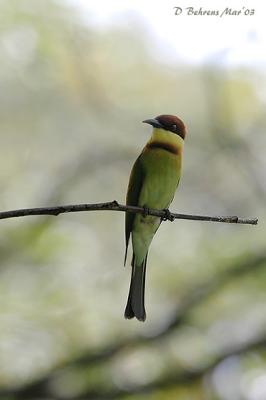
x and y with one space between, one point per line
152 184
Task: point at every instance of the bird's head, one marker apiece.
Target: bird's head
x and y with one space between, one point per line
169 123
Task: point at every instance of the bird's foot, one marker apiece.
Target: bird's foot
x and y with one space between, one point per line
167 215
146 211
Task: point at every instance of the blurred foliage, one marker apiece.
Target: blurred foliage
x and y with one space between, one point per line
72 101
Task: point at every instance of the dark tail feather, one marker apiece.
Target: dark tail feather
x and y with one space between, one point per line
135 303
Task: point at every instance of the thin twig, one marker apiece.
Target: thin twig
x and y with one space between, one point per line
115 206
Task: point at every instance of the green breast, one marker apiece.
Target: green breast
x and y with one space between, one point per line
162 172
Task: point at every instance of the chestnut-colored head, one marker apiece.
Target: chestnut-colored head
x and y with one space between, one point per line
169 123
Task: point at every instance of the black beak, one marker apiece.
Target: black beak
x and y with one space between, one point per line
153 122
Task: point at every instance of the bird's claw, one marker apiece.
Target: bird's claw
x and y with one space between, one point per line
146 211
167 216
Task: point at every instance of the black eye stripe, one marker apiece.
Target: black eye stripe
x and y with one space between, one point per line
170 127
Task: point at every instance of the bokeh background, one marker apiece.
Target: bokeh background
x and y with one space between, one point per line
76 80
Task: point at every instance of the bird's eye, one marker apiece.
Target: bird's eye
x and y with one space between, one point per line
174 127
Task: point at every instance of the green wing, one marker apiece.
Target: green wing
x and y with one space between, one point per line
133 191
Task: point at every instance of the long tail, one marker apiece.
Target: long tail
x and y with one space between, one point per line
135 303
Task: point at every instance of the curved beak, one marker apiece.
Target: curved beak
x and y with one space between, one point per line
153 122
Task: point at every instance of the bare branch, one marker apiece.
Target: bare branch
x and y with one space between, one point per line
115 206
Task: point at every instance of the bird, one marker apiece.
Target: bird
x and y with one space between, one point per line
152 184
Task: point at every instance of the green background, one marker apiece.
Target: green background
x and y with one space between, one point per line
72 98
